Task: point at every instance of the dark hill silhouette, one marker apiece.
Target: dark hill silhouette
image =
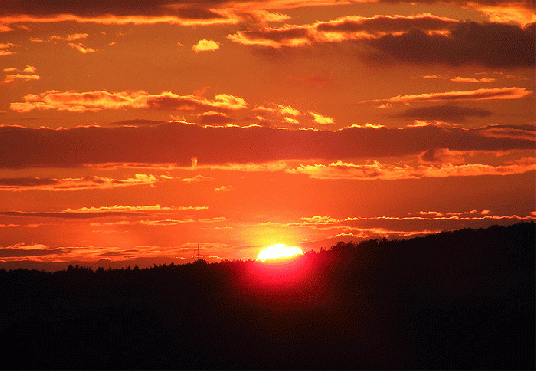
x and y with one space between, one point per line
455 300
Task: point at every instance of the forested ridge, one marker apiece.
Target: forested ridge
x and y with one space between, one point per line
455 300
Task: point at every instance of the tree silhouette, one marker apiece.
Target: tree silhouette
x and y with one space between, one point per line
454 300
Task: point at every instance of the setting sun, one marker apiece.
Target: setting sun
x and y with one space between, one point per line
279 251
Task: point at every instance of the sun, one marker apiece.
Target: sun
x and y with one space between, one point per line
279 251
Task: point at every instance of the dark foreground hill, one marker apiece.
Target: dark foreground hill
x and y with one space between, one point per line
456 300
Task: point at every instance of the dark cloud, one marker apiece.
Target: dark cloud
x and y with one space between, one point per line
424 39
137 122
440 156
158 7
83 8
444 112
198 13
214 118
184 9
14 252
177 143
529 4
27 182
490 44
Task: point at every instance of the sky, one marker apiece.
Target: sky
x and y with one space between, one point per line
134 132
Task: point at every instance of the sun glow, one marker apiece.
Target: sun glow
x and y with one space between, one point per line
279 251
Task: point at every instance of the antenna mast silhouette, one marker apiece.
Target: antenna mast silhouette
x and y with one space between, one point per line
198 254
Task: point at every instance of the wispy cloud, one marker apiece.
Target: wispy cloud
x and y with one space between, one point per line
82 48
449 96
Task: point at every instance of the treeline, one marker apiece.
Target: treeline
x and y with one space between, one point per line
454 300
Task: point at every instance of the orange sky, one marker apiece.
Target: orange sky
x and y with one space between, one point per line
132 131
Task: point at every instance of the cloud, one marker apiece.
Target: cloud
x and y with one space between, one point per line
71 37
214 118
321 120
4 28
11 78
105 211
205 45
185 13
223 189
218 12
423 38
72 184
355 27
341 29
521 12
525 132
441 156
138 13
458 95
123 208
444 112
166 222
94 101
23 250
26 74
467 43
4 49
287 110
377 170
198 178
177 144
292 121
472 79
82 48
285 36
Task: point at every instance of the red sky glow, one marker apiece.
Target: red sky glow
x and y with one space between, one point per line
133 132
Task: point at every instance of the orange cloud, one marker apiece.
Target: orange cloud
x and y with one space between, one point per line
73 101
123 208
82 48
342 29
4 49
377 170
182 13
205 45
441 156
321 120
215 12
198 178
421 38
292 121
4 28
513 12
468 95
217 18
73 184
287 110
223 189
11 78
471 79
72 37
525 132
